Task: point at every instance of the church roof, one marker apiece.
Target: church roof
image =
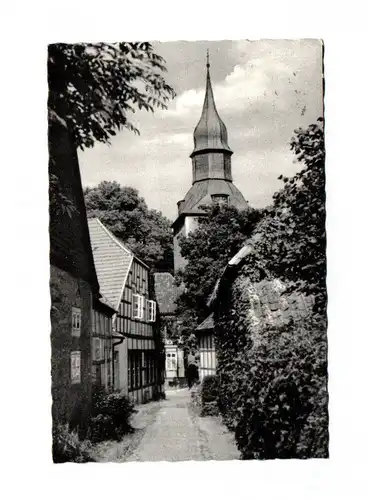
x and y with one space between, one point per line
200 194
211 132
112 261
212 167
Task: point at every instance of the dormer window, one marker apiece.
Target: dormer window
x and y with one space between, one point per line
220 199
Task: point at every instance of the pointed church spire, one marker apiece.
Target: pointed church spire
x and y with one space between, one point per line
210 133
212 181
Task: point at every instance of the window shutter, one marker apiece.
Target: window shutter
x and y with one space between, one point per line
76 322
75 367
138 306
151 310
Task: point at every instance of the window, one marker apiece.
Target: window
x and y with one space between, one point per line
137 306
134 369
75 367
151 310
220 199
76 321
171 362
97 349
149 368
97 375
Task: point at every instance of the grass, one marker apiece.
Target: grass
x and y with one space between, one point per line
113 451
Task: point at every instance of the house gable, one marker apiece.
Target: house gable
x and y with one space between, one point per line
137 283
112 261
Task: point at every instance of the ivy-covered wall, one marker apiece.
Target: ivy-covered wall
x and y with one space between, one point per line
272 367
71 403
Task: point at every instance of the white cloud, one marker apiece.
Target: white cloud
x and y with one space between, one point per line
272 78
168 139
267 89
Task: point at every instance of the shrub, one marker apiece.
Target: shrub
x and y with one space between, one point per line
204 396
276 397
209 395
285 388
111 416
66 446
102 429
209 389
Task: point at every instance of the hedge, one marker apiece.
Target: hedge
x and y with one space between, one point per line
208 394
272 379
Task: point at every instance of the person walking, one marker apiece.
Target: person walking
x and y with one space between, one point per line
192 374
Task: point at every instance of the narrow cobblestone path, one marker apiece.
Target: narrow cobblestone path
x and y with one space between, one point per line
178 434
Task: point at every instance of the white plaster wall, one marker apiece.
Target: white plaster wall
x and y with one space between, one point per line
181 368
191 223
123 365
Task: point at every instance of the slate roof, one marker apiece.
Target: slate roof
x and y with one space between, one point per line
112 261
269 303
165 292
268 298
210 133
201 191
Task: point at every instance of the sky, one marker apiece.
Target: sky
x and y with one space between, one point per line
263 90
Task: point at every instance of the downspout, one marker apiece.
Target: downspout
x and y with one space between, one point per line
120 341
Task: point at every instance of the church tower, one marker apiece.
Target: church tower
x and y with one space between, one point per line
212 172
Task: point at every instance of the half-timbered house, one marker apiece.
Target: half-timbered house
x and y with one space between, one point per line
166 294
126 284
206 347
101 344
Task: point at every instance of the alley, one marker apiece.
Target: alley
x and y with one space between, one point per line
177 433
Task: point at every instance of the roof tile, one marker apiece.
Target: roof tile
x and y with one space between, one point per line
112 261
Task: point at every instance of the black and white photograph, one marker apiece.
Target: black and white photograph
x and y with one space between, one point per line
187 230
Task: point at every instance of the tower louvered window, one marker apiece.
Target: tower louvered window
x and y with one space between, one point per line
220 199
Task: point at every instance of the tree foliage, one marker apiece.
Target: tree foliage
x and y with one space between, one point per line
292 239
60 203
145 231
95 86
273 373
220 234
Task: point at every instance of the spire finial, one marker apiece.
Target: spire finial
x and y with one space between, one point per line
208 59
